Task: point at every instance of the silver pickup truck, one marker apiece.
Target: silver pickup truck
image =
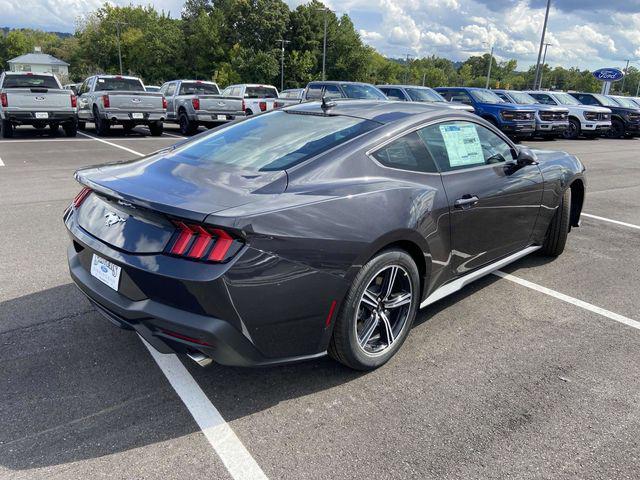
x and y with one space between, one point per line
35 99
108 100
191 103
256 98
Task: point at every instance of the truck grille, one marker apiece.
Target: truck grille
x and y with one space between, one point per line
523 115
634 117
553 116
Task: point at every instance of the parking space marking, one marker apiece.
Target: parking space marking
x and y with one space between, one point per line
235 457
112 144
172 135
566 298
617 222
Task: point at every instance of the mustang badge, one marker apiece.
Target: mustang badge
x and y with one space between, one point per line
111 218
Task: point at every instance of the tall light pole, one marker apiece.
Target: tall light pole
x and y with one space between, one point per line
536 86
282 44
118 23
489 69
544 59
406 71
626 69
324 43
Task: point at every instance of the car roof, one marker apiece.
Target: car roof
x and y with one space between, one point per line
382 111
404 86
44 74
338 82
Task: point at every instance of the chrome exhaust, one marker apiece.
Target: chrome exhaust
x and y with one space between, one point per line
200 358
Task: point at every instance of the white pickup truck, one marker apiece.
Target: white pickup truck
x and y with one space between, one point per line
108 100
36 99
191 103
256 98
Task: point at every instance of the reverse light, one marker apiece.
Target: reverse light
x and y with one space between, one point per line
74 101
106 103
81 196
198 242
196 103
5 101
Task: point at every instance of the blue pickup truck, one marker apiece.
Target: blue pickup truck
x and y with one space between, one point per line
517 121
551 121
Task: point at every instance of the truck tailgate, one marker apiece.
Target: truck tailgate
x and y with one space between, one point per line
220 104
38 99
134 101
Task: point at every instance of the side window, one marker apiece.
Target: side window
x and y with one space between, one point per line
83 88
91 83
406 153
394 94
236 92
332 91
171 90
543 98
314 92
460 145
503 96
587 99
462 97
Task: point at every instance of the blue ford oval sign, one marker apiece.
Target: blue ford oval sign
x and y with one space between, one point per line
609 74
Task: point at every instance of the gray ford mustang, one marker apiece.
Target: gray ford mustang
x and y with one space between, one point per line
320 228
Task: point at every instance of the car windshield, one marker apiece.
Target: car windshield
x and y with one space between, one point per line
626 102
522 98
359 91
29 81
566 99
199 88
261 92
273 141
606 101
485 96
424 95
122 84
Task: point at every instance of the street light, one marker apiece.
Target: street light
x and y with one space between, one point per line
118 23
536 85
406 71
324 43
489 69
544 59
626 69
282 44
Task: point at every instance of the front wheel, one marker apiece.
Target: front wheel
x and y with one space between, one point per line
558 230
573 131
617 129
377 312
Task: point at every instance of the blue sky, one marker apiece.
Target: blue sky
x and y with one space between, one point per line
583 33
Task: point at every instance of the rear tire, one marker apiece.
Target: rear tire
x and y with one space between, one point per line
156 129
70 129
54 127
368 330
128 127
7 129
82 126
102 125
558 231
187 127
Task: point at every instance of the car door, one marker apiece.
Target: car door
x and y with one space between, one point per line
493 203
170 95
84 100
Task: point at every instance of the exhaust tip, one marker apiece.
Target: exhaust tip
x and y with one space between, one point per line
200 358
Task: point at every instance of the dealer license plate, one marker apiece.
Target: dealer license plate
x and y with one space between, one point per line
105 271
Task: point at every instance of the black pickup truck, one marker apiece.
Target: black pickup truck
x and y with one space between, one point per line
625 120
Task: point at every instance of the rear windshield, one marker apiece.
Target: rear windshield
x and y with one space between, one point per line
424 95
261 92
273 141
369 92
123 84
29 81
195 88
485 96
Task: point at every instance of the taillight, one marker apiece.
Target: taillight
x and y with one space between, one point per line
263 106
244 106
196 103
164 103
5 101
198 242
81 196
105 101
74 101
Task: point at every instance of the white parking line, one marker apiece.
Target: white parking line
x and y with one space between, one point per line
566 298
235 457
617 222
112 144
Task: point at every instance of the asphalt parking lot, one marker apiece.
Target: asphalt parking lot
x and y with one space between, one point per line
505 379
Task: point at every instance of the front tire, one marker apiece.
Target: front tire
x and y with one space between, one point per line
617 129
378 311
556 238
573 131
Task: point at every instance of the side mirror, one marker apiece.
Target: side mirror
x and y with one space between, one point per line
526 157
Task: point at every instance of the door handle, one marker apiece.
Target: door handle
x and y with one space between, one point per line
467 201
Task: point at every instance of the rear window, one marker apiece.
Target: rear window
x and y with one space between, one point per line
195 88
29 81
424 95
273 141
357 91
122 84
260 92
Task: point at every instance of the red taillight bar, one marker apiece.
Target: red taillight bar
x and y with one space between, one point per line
222 246
4 100
199 243
263 106
81 196
196 103
184 239
244 106
74 101
164 103
105 101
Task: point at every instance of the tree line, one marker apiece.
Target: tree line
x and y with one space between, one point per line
234 41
